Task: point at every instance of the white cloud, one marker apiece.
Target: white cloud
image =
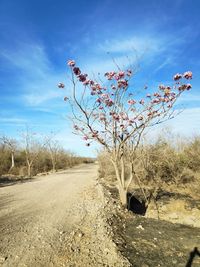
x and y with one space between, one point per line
189 97
36 99
9 120
186 123
37 80
139 44
132 50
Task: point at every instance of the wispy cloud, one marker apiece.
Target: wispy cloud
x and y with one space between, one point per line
37 79
138 44
13 120
132 50
36 98
186 123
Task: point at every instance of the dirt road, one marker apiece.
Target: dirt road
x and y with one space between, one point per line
55 220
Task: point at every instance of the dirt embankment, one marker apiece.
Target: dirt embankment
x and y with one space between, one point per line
150 242
57 220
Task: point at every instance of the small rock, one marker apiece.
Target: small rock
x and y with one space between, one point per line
2 259
80 234
140 227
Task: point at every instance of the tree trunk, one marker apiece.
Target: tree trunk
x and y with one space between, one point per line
54 166
123 196
12 161
53 161
121 183
29 169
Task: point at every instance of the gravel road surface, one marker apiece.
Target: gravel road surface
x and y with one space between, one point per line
55 220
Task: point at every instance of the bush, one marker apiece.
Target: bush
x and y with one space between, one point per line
162 162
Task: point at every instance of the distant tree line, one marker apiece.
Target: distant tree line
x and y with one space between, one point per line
33 154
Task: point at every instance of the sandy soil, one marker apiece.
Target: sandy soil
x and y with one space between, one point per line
57 220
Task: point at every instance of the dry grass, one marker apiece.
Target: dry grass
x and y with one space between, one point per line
164 164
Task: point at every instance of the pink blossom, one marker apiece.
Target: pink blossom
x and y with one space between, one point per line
188 86
82 77
110 75
157 94
91 82
121 74
109 102
71 63
156 101
131 101
182 87
185 87
98 86
122 83
161 87
86 82
116 117
173 94
129 73
167 91
141 101
102 118
99 100
95 134
187 75
76 71
116 77
85 137
61 85
140 118
105 96
76 127
131 121
177 77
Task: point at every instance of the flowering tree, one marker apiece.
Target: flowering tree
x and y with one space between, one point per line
109 112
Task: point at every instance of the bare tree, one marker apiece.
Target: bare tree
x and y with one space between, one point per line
113 113
11 144
32 148
53 149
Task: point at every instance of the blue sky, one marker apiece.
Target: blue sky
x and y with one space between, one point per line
38 37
